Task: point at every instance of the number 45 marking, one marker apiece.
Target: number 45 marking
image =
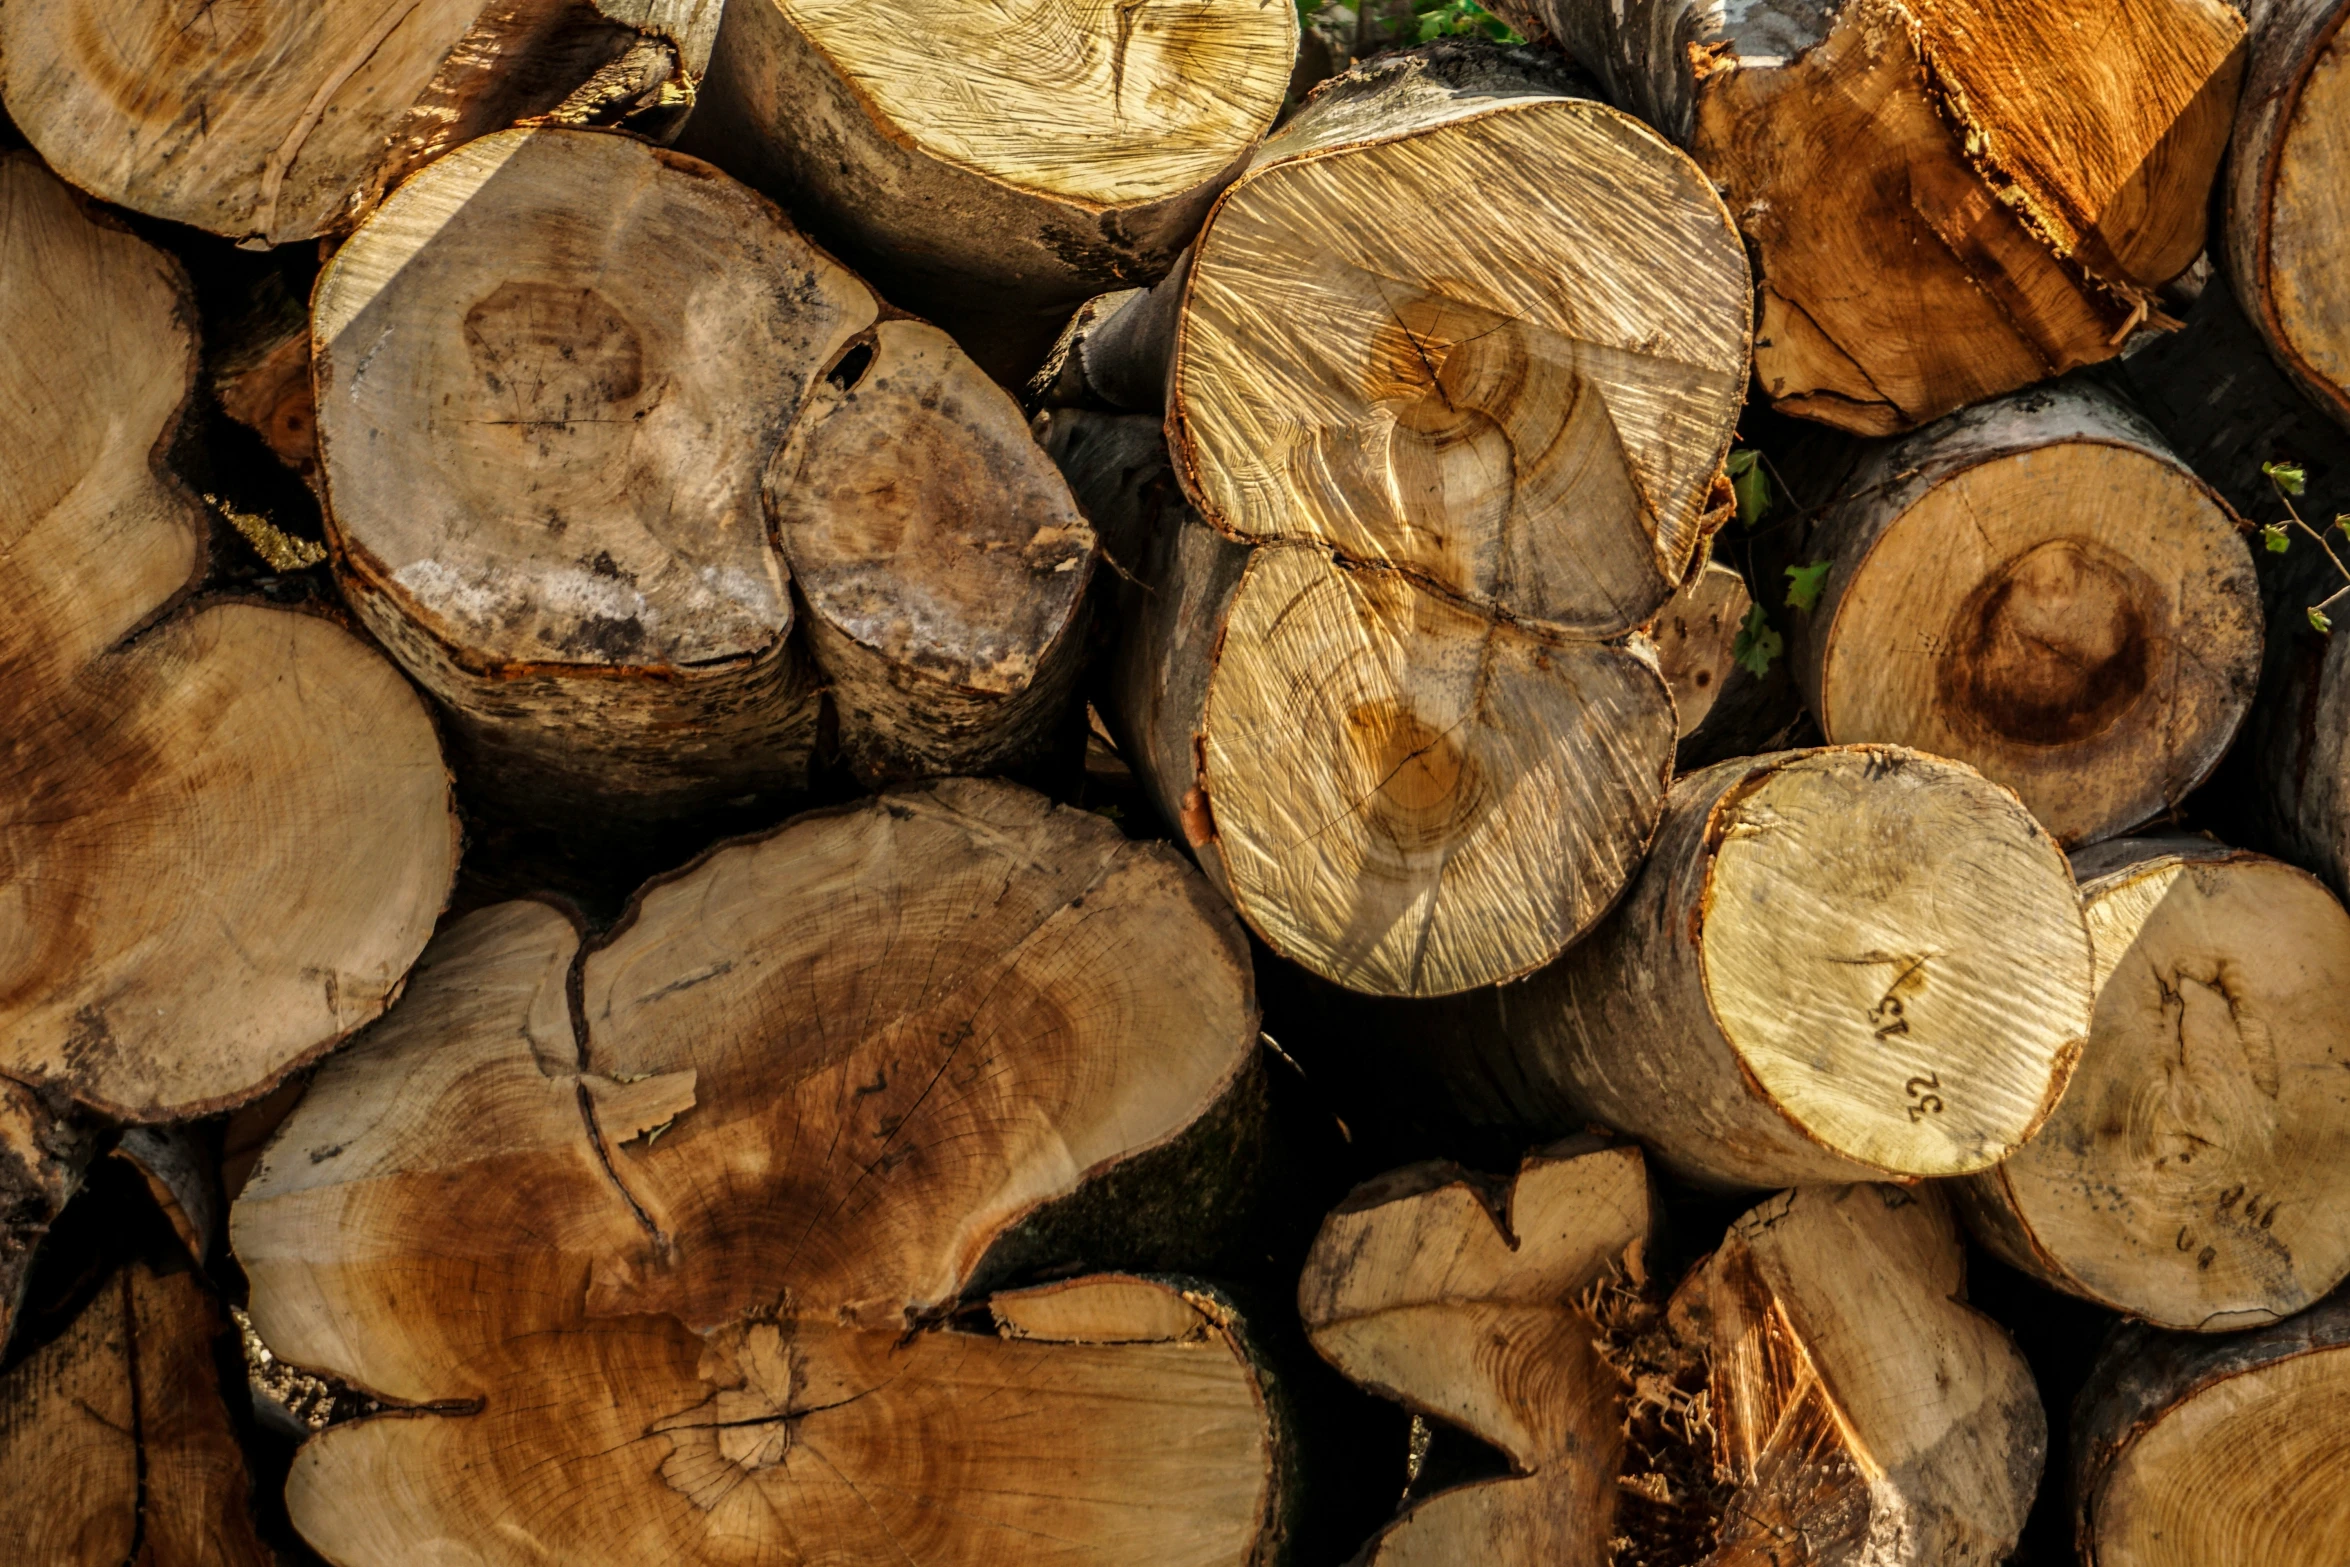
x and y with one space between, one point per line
1928 1103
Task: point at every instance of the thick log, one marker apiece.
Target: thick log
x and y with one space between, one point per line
989 170
2194 1450
1511 399
227 827
2039 588
678 1232
1462 1301
118 1441
2292 159
555 479
2196 1172
2011 181
1855 960
1817 1379
1396 791
279 120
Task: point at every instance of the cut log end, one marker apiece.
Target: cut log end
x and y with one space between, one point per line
941 559
2193 1452
2038 588
1410 797
2194 1174
1892 949
1696 635
746 1347
290 120
1815 1378
2284 207
1508 400
1125 106
2014 189
120 1439
1428 1288
230 835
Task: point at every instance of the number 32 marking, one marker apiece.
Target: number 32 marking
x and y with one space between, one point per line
1928 1103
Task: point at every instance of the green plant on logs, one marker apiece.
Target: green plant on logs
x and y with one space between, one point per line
2289 480
1410 22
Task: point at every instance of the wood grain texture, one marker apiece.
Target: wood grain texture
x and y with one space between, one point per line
941 560
1848 960
1396 791
1694 635
1863 1409
545 462
1462 1303
2285 193
272 121
990 166
119 1442
2011 180
2195 1450
727 1176
1507 400
2039 588
2193 1174
226 828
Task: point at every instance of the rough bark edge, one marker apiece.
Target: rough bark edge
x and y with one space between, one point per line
2288 36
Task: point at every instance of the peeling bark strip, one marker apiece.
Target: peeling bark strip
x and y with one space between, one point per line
1814 1386
272 121
1507 399
1855 960
2291 164
119 1441
2012 180
2039 588
226 827
2193 1450
552 473
2197 1172
989 166
733 1309
1403 794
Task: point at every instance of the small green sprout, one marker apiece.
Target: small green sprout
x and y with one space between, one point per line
1804 584
1757 644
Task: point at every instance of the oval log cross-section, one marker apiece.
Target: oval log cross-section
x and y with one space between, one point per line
1853 960
272 121
2039 588
226 828
2197 1172
679 1230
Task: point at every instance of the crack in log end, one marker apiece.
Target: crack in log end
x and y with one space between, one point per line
746 1423
1429 790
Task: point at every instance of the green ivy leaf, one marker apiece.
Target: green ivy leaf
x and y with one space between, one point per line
1756 643
1751 485
1804 584
2276 538
2286 476
2318 621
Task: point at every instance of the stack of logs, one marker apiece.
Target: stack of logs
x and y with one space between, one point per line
1174 782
